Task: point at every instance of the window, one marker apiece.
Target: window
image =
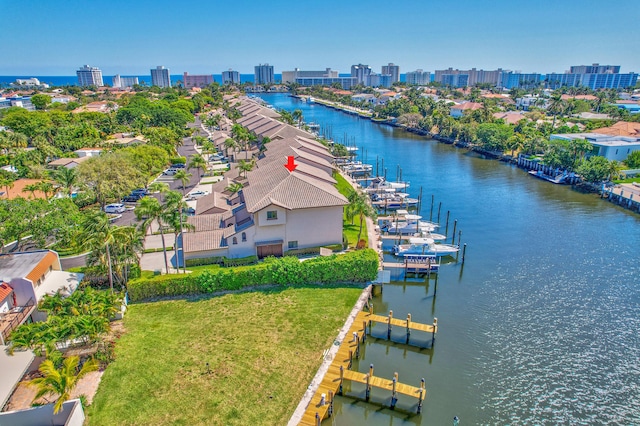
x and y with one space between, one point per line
272 215
293 244
244 236
235 240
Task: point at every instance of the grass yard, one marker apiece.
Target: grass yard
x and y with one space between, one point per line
263 348
350 230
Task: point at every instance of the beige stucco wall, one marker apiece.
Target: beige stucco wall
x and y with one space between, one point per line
314 227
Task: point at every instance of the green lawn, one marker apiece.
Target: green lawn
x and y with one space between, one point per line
349 229
263 349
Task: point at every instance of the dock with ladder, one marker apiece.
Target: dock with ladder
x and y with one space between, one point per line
321 404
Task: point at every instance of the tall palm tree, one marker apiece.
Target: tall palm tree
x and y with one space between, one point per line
151 210
184 178
46 187
7 184
66 178
99 234
228 144
174 207
557 106
208 148
61 381
128 247
359 206
197 161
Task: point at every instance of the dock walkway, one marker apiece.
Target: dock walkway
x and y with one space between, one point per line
321 404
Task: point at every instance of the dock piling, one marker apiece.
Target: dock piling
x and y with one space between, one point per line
408 327
369 376
439 208
318 419
464 251
446 229
364 331
433 333
394 398
421 395
330 412
341 380
431 214
453 237
389 325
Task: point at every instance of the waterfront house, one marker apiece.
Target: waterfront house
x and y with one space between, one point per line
612 147
458 110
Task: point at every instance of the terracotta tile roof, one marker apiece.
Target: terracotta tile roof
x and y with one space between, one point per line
206 222
621 128
273 184
583 97
18 189
467 106
202 241
212 203
5 291
509 117
41 267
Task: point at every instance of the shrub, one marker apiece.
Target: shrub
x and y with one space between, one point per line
354 267
216 260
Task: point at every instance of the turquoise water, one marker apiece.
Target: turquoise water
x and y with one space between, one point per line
541 324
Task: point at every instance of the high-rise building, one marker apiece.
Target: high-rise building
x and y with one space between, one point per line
89 76
263 74
345 82
393 71
418 77
199 80
230 77
160 77
511 79
594 69
470 77
290 76
123 82
361 73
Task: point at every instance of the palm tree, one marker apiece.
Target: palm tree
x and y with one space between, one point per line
229 143
208 148
183 177
46 187
32 187
99 234
173 215
557 106
197 161
246 166
129 245
151 209
158 187
61 382
359 206
67 178
7 183
234 187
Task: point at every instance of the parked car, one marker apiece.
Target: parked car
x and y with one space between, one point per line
196 194
114 208
190 211
177 166
131 198
170 172
140 191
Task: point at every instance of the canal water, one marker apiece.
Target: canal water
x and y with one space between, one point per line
540 326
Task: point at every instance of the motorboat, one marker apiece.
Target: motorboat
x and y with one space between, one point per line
379 184
425 246
410 225
396 200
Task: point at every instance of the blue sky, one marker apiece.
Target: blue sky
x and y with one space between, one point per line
55 37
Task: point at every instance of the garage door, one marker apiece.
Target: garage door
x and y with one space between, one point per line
269 250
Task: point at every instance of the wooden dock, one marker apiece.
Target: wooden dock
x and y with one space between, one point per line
321 404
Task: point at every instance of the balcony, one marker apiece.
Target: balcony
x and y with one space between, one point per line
9 321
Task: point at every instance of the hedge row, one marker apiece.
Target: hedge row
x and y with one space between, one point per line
354 267
312 250
224 261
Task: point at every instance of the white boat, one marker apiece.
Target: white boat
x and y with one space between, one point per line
411 225
391 201
310 100
425 246
381 184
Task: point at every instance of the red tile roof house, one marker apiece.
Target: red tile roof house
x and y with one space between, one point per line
458 110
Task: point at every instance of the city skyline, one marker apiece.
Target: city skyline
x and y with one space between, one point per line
547 38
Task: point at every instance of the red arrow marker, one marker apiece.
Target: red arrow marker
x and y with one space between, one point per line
291 166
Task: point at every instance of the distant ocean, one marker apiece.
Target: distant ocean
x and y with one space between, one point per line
72 80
